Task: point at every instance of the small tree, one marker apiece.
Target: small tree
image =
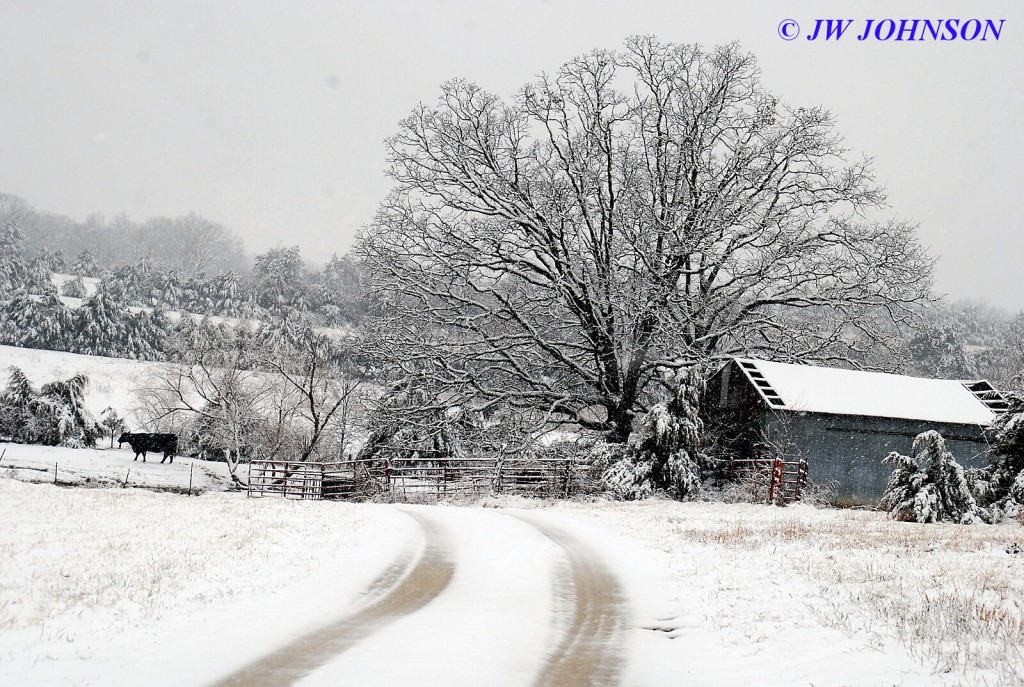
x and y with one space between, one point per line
12 264
74 288
85 265
664 453
930 486
1000 485
112 424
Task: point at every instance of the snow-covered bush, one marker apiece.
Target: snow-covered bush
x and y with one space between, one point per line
111 424
53 415
930 486
74 288
1000 485
663 454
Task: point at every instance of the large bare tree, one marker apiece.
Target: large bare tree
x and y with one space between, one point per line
635 211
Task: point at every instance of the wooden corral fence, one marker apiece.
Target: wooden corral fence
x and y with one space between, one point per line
784 481
415 479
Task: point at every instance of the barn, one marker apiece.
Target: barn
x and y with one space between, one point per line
844 422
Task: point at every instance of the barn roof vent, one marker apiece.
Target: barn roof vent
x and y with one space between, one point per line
988 395
770 395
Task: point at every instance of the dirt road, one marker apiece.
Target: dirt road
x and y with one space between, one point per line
494 598
589 653
406 586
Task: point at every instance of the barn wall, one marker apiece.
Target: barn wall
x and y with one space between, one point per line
850 449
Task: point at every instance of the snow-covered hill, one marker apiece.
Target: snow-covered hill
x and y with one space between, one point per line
110 379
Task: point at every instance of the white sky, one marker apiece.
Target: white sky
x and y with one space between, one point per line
269 117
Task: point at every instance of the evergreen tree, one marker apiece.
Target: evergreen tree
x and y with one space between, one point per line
279 279
53 415
12 265
33 322
85 265
102 324
38 278
664 454
930 486
74 288
1000 485
53 260
168 289
940 353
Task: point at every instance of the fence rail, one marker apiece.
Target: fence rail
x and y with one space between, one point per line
405 478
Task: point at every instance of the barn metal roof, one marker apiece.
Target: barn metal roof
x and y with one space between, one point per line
815 389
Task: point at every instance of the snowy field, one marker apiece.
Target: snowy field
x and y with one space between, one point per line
111 468
195 589
128 587
761 595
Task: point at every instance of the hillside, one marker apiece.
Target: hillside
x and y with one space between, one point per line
110 379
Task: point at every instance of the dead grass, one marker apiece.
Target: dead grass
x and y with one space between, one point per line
953 595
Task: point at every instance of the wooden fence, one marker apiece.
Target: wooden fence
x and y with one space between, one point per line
784 481
414 479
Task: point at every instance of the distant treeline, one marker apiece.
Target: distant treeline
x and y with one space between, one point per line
190 245
185 264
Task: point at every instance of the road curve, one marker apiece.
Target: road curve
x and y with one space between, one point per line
404 588
588 654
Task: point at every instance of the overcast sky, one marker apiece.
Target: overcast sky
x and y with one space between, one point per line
269 117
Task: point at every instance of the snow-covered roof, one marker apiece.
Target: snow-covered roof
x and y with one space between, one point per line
873 394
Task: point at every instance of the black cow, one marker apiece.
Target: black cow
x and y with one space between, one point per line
141 442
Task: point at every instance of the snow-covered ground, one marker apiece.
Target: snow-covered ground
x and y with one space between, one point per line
129 587
59 279
123 586
119 586
111 468
758 595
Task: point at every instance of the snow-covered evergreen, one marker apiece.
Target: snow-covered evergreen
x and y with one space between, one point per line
930 486
74 288
85 265
1000 485
664 454
53 415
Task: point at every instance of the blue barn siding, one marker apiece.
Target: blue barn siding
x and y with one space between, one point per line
849 449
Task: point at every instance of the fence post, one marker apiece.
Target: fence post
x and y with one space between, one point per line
801 480
773 492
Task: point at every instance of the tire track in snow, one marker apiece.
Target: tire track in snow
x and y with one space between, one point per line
588 654
403 588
